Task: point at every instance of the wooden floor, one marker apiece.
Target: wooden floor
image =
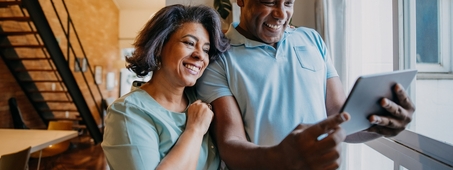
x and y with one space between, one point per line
81 155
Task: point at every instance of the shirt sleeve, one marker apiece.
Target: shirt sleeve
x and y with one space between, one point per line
130 140
331 71
213 84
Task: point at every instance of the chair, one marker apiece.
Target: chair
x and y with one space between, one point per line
56 148
16 114
17 160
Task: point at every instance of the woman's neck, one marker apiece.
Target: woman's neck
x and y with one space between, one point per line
166 94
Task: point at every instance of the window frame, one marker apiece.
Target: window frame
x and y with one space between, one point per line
445 41
411 148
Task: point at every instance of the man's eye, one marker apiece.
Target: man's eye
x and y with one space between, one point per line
268 3
289 3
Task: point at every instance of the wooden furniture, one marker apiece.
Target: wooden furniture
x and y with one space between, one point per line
56 148
17 160
14 140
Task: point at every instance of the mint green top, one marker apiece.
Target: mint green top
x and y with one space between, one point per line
139 133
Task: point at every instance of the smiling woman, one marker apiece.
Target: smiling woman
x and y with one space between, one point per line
162 124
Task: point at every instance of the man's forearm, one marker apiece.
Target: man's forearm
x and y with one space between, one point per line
238 154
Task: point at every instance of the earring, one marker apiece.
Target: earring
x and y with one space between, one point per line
158 63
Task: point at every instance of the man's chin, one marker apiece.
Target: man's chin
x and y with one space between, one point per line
272 40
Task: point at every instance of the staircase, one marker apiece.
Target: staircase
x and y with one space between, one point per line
32 53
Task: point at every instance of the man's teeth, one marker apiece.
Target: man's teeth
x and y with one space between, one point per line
192 67
273 26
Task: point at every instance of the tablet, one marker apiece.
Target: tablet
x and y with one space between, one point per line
363 100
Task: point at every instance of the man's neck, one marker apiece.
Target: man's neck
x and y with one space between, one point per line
250 36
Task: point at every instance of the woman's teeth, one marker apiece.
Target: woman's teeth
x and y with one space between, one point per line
192 67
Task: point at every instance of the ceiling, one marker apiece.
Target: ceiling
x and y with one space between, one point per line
139 4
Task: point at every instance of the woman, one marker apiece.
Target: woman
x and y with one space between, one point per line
162 125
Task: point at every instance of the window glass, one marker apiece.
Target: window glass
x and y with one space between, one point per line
427 31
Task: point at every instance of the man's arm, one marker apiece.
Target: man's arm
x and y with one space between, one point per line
228 130
301 149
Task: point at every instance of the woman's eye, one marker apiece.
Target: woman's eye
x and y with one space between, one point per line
189 43
206 51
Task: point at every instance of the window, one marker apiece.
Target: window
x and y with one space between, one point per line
430 23
433 35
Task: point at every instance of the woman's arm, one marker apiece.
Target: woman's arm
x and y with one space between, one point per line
185 153
131 140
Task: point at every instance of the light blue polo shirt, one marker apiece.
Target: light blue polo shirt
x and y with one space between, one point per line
276 89
139 133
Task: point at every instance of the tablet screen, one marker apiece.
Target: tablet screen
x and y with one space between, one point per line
363 100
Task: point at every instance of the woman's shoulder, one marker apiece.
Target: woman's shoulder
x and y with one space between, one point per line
135 98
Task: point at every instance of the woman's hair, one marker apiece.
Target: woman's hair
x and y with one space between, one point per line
150 41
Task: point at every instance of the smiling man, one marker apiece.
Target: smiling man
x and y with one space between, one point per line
276 91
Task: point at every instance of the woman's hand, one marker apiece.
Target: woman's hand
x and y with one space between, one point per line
185 153
199 117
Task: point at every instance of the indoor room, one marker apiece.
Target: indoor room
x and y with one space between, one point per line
64 63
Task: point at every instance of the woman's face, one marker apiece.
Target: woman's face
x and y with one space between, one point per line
185 55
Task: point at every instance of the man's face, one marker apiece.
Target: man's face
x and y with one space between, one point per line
265 20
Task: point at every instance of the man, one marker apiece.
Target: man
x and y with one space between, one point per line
274 82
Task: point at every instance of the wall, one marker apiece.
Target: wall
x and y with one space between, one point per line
192 2
97 24
434 109
304 13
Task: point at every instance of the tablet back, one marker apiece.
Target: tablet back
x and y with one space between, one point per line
364 98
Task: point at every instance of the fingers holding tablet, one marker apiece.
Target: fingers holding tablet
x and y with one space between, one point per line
400 115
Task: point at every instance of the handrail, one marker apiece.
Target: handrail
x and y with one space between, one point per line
70 47
419 153
55 50
46 55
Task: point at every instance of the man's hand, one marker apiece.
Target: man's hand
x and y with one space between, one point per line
400 115
303 148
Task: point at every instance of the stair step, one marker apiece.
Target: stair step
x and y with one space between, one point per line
53 101
47 91
35 70
22 18
42 81
64 118
9 3
22 46
18 32
60 110
28 58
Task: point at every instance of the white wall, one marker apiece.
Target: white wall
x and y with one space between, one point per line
434 112
190 2
131 22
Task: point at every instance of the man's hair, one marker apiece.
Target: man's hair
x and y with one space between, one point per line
157 31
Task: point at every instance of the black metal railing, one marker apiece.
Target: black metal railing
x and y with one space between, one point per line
70 50
62 63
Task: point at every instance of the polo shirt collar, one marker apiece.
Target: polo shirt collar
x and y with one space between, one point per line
237 39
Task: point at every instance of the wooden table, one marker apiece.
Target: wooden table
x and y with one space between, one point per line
13 140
